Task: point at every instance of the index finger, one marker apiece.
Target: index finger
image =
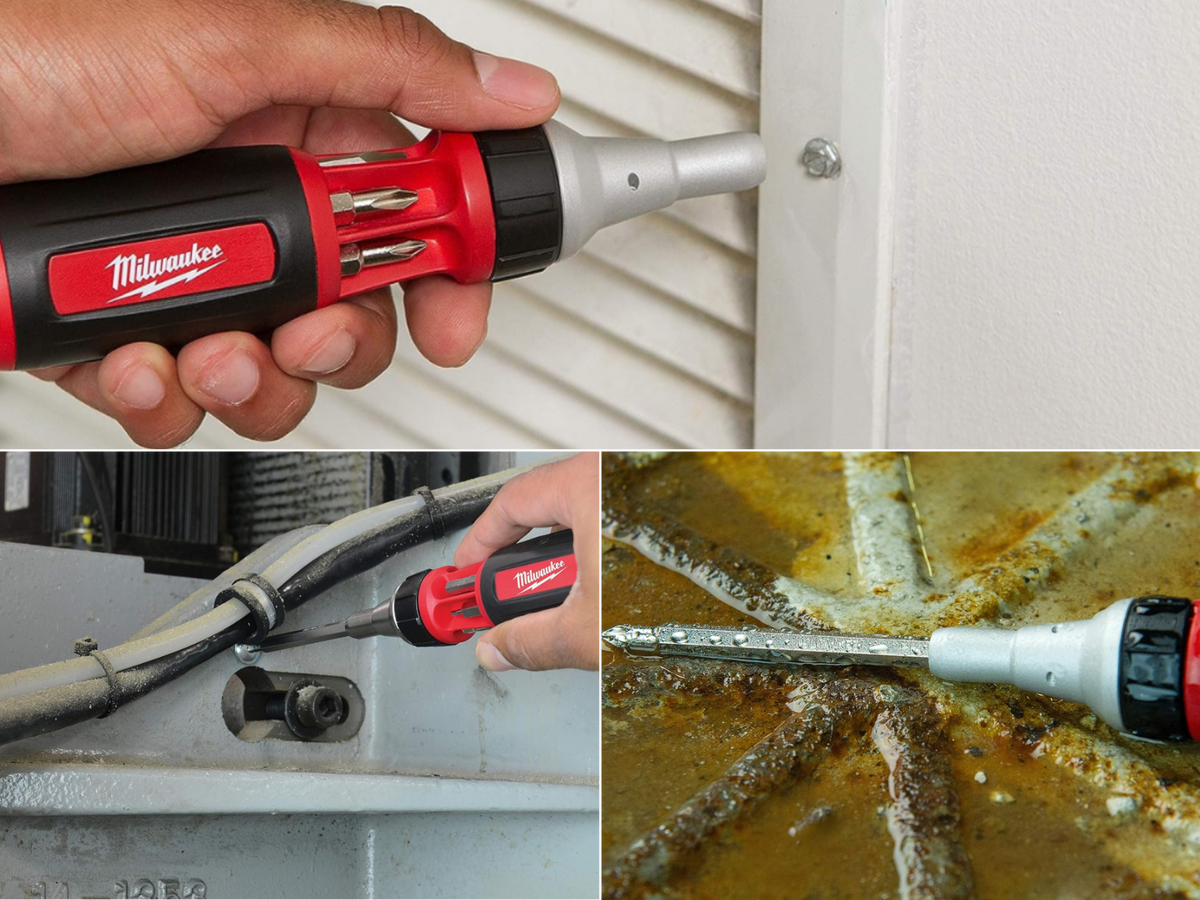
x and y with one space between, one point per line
534 499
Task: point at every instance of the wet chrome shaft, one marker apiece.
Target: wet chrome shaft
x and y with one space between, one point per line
812 648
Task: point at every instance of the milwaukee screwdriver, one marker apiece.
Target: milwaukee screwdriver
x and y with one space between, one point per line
443 607
247 238
1135 663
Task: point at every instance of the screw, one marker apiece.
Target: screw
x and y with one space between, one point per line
246 654
319 707
821 158
308 707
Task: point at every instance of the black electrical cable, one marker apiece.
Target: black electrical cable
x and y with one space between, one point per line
55 708
369 549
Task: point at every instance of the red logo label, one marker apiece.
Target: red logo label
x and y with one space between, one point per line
176 266
548 575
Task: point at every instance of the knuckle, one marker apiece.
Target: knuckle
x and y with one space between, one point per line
167 438
283 421
412 39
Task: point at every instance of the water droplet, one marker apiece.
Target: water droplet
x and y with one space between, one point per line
1050 679
740 639
887 693
679 636
714 639
877 648
770 643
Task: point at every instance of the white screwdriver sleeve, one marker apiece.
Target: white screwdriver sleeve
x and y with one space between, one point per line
1077 661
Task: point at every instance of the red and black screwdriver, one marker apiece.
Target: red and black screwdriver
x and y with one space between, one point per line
247 238
443 607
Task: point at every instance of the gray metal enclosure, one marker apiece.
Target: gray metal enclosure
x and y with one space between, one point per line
459 783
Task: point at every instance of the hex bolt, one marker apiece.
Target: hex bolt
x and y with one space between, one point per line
821 158
308 707
319 707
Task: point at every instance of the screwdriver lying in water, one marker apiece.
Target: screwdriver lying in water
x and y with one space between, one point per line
246 238
1136 663
443 607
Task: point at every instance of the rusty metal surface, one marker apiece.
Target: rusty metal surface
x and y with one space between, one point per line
723 779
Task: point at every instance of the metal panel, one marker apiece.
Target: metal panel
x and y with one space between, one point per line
655 319
824 289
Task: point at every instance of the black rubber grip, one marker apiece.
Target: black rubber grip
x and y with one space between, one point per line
1153 649
526 200
204 191
526 556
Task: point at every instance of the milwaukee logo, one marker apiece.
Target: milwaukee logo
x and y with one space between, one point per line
533 578
130 270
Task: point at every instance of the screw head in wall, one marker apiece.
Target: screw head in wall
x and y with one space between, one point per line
821 158
246 654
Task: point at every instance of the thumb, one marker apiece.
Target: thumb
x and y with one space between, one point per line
321 53
558 638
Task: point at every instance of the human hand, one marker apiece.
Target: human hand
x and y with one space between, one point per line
86 87
565 494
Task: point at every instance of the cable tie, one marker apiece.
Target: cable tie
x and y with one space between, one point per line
433 508
262 600
111 674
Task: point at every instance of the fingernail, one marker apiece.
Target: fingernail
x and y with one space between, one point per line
333 354
141 388
232 379
491 658
516 83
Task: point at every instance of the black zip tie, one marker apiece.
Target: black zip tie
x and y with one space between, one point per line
433 508
111 674
264 622
89 646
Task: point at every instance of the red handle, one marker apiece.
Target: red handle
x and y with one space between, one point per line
1191 674
528 577
246 238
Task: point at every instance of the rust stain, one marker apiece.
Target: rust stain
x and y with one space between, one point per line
985 546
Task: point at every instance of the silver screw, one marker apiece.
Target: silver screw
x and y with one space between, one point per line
246 654
821 158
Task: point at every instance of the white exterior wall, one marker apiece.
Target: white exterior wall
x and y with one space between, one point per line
1047 243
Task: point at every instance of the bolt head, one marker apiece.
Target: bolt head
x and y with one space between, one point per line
821 158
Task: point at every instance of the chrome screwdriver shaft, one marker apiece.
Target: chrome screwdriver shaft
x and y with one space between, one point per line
812 648
303 637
